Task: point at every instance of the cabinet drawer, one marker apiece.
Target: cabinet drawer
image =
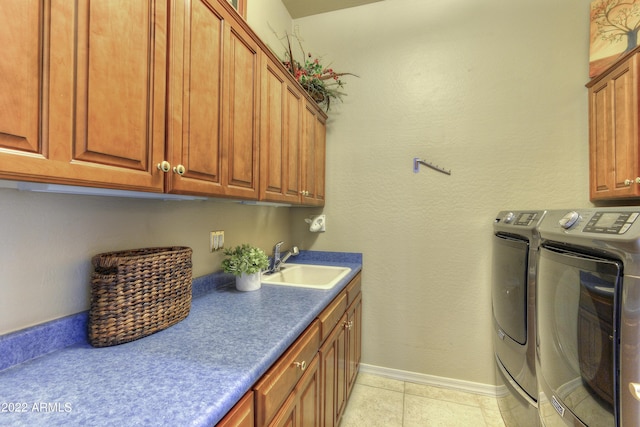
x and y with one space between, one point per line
277 383
331 315
240 415
353 289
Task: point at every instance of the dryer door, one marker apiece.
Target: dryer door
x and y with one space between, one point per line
509 289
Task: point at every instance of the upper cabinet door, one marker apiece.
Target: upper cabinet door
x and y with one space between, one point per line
281 126
241 98
313 156
613 122
23 67
194 128
90 108
320 158
213 102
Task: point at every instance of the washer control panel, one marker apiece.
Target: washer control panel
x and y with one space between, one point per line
610 222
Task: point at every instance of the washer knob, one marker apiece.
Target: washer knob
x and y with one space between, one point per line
569 220
508 218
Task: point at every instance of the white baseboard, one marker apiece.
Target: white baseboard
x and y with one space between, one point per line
414 377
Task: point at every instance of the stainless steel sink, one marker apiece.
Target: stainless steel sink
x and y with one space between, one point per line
307 276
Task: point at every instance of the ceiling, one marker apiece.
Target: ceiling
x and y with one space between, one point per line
300 8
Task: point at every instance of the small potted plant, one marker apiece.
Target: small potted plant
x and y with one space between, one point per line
246 262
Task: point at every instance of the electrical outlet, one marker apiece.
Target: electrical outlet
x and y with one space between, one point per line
213 241
216 240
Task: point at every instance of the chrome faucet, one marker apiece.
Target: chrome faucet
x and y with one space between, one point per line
277 261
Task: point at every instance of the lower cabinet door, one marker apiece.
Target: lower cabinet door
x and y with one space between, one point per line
354 340
286 375
333 359
308 396
287 415
302 407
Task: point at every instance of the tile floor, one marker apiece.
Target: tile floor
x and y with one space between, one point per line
378 401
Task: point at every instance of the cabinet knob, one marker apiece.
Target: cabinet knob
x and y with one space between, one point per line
638 180
348 325
180 170
164 166
634 388
304 192
302 365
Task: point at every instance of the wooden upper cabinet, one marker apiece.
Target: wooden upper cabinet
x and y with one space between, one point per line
241 98
23 66
194 125
292 141
320 158
102 92
613 133
213 102
120 95
90 104
281 127
313 156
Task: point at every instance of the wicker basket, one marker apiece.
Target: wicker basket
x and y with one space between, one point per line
138 292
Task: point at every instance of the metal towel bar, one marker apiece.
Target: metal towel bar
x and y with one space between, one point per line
417 162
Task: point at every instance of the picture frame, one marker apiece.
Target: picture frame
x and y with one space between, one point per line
240 6
612 32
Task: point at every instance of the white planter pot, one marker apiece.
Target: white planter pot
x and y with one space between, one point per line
248 282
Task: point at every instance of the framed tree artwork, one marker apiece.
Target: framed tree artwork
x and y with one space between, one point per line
240 6
615 25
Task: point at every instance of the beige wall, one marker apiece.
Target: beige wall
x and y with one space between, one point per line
47 241
270 20
493 90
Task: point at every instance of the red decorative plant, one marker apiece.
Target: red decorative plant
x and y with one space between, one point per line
322 83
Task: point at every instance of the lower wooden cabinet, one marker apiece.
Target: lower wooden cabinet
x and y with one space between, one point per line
340 355
310 384
242 415
277 384
333 357
354 342
302 407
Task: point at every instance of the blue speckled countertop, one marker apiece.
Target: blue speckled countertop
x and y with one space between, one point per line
190 374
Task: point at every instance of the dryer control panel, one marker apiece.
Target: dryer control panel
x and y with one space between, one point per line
520 218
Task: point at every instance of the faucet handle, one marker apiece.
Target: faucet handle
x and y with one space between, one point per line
275 260
276 247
